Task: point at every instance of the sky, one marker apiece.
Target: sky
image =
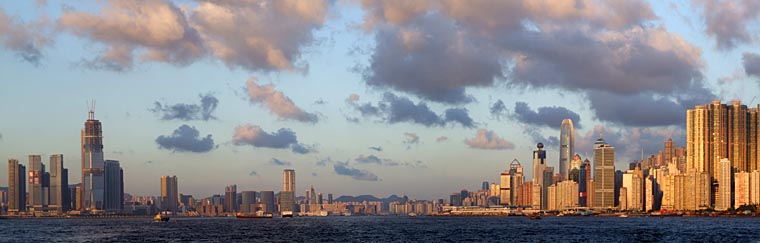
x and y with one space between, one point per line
419 98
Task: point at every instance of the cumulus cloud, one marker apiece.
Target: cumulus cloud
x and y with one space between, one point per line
728 21
411 138
243 34
342 168
186 139
629 141
437 49
26 39
371 159
550 116
255 136
352 98
396 109
239 34
278 162
277 102
485 139
751 63
538 137
153 31
187 112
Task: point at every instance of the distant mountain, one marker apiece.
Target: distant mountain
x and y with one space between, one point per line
369 198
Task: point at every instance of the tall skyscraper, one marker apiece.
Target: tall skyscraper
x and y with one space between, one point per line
313 198
584 181
604 174
36 177
329 198
725 199
93 165
267 198
669 152
505 193
287 196
249 197
230 198
517 178
16 187
169 193
114 186
566 146
539 180
59 185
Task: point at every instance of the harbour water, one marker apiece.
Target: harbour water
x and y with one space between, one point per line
384 229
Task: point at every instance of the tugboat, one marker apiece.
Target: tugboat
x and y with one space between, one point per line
161 217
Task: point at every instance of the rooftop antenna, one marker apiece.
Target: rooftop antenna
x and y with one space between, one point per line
91 108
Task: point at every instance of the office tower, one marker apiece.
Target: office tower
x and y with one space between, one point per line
287 196
249 197
16 187
230 198
633 186
517 178
114 186
741 189
319 198
604 174
36 177
725 176
566 146
752 137
313 198
484 186
669 152
59 185
93 165
455 199
539 165
650 194
329 198
267 198
584 180
505 194
169 193
74 197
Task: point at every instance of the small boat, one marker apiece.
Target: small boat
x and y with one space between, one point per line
623 216
257 215
286 214
161 218
534 216
412 214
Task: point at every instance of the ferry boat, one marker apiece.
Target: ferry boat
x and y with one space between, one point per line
257 215
286 214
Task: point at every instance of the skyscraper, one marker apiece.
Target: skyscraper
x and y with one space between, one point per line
724 199
566 146
36 176
267 198
169 193
93 165
669 152
230 198
313 196
539 180
114 186
287 196
59 185
604 174
584 181
249 197
16 187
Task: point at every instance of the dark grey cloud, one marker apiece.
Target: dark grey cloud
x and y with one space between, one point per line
659 111
302 148
629 141
751 63
320 102
26 39
498 109
278 162
342 168
371 159
378 148
728 21
186 139
550 116
538 137
253 173
187 112
314 174
396 109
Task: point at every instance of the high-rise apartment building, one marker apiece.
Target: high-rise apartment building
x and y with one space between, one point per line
93 165
741 189
169 193
16 187
604 174
114 186
724 199
566 146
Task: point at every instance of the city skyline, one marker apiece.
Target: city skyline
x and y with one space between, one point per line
328 99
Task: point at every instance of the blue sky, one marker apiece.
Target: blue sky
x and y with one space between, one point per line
335 49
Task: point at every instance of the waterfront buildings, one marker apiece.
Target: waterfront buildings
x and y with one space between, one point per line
59 199
169 193
287 195
114 186
604 174
268 200
37 192
230 199
566 146
724 198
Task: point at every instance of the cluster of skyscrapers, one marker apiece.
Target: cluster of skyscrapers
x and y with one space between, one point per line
49 193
